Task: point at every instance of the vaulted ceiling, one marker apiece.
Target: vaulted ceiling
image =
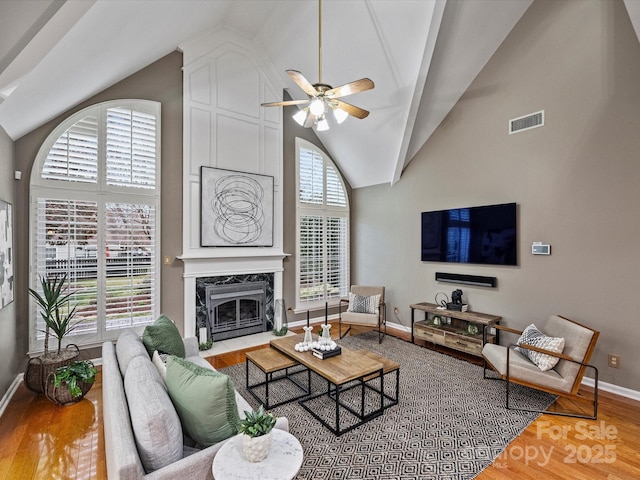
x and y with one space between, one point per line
422 56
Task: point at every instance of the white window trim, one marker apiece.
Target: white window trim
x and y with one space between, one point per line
103 194
325 211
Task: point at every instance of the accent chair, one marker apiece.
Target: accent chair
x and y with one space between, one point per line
534 366
365 307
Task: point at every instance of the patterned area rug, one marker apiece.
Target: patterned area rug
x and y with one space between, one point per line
449 423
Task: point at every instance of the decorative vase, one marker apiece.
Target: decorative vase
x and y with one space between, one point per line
256 449
280 324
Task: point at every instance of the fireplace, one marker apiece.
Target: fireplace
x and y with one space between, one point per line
235 310
229 306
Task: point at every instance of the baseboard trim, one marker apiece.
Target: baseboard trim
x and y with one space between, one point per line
10 392
611 388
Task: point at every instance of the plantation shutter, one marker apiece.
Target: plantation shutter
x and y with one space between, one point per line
74 155
131 148
323 237
96 214
66 232
311 174
337 257
311 258
335 193
130 272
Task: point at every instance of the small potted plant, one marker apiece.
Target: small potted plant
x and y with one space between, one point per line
256 433
70 383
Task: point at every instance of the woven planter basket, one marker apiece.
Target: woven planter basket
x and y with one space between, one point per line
39 368
61 395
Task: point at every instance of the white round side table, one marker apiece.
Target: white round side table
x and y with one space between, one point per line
282 463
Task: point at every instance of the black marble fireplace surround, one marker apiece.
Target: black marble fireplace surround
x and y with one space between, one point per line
202 314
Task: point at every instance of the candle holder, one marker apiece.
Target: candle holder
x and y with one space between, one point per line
325 339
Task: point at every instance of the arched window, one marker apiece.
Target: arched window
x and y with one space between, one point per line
95 212
323 228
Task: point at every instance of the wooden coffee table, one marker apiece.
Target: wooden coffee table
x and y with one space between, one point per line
270 361
340 372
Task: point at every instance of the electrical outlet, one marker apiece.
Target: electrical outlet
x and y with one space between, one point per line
396 310
614 360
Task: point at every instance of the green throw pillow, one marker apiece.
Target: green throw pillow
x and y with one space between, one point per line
164 337
204 399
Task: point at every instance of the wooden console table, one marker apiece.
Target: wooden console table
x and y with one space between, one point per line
461 331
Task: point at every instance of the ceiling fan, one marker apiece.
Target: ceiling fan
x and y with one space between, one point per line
323 98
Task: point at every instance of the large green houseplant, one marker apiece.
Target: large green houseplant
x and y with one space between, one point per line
53 301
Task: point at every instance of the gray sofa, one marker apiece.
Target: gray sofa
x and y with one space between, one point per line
140 421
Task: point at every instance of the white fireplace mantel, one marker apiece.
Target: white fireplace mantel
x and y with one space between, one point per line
235 262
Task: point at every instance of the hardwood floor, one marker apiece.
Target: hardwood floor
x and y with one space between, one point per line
39 440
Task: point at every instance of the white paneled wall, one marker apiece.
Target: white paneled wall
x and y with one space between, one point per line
225 81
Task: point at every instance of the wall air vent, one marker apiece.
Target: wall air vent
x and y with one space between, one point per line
520 124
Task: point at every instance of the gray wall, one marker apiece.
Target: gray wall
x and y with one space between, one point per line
11 353
161 81
575 180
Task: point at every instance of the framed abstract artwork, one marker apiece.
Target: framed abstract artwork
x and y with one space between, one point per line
6 254
236 209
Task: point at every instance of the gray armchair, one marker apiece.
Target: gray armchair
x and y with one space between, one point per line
564 379
363 310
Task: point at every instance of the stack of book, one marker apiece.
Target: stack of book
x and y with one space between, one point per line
323 354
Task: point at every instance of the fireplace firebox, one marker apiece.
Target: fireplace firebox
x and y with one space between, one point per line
236 309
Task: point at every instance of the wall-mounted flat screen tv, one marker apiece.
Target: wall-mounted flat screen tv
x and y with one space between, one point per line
484 235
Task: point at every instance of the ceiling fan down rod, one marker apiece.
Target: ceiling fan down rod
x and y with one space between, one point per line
319 41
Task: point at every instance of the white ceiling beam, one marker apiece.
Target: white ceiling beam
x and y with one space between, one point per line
434 29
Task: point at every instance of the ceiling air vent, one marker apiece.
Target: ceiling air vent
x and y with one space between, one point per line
520 124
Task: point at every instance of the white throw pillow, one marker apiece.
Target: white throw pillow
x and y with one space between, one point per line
160 364
362 304
534 337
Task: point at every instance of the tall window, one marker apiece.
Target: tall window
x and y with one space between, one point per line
95 210
323 228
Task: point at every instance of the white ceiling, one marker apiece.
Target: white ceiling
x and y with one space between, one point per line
421 54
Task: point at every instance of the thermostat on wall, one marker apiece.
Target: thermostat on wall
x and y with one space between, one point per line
538 248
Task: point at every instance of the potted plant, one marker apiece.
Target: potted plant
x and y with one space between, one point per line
70 383
256 433
57 316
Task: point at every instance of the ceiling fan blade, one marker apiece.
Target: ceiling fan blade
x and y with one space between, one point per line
350 88
302 82
285 103
352 109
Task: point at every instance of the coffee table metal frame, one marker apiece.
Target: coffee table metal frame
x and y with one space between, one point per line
270 361
342 372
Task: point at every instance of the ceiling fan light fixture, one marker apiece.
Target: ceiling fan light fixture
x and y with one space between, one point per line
323 125
300 117
340 115
317 106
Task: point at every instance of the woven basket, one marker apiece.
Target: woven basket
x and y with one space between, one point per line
61 395
39 368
